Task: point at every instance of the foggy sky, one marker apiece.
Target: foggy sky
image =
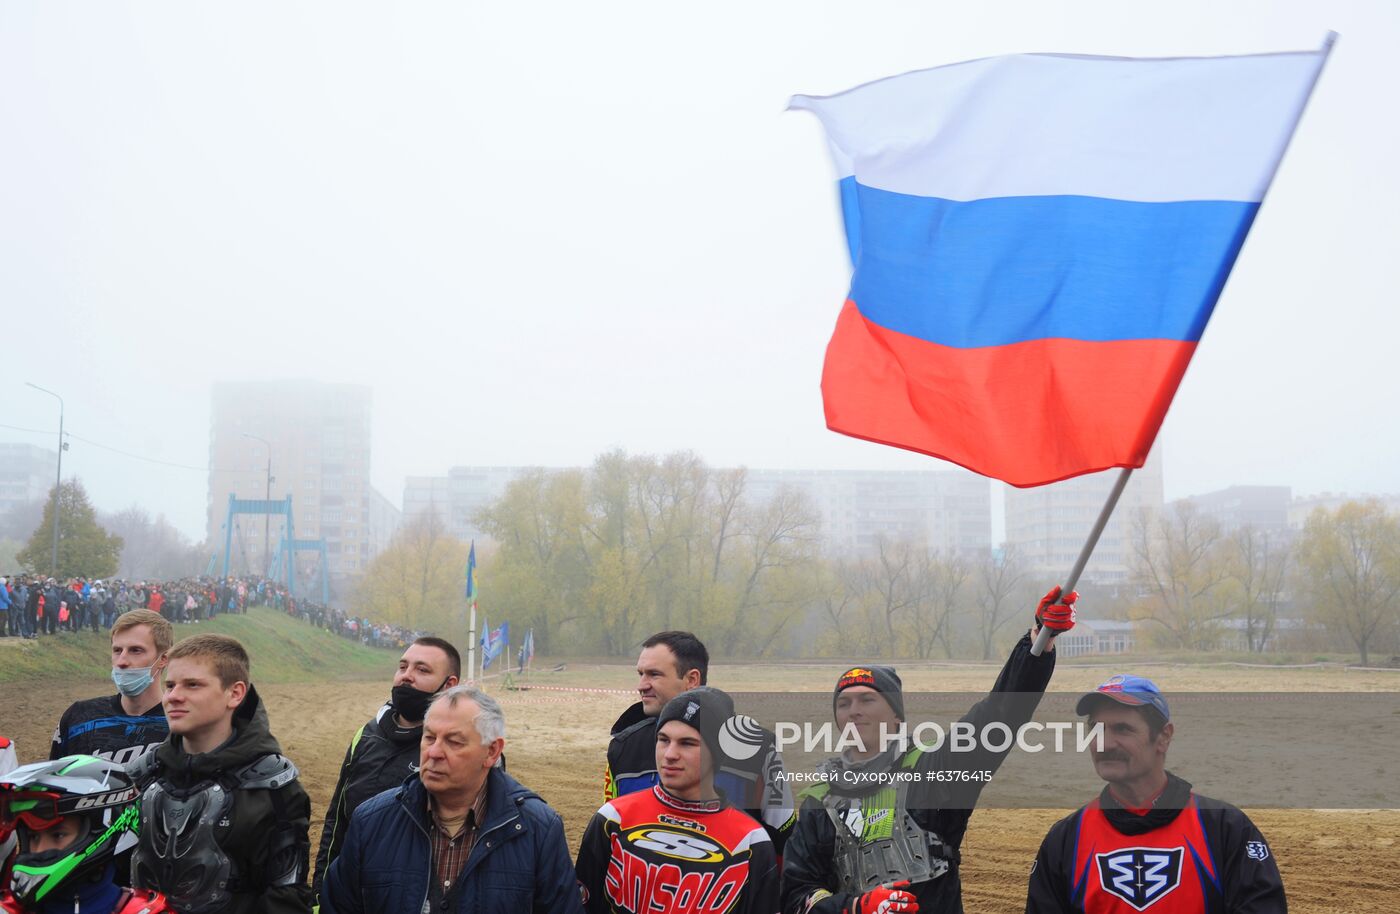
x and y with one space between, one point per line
539 231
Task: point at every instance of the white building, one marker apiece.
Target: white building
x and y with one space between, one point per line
947 510
27 474
1097 636
1049 524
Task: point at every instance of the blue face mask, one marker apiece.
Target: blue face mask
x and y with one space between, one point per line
133 682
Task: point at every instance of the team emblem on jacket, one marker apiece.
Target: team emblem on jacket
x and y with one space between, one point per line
1141 876
1256 850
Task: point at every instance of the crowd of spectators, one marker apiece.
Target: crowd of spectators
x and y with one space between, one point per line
34 605
356 628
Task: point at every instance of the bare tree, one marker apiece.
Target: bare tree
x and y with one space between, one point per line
1181 564
1260 569
1001 580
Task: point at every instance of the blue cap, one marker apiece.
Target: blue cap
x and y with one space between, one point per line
1133 691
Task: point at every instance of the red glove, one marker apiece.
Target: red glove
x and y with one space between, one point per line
1054 613
886 900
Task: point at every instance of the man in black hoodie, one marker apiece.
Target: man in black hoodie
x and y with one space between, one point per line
384 752
223 818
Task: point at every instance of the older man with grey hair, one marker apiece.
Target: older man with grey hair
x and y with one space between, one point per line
460 836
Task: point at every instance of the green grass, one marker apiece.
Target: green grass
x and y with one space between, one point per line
282 649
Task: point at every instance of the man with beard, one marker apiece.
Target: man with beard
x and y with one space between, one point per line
1149 840
882 830
671 663
384 752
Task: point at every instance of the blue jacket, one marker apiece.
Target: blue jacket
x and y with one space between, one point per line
520 861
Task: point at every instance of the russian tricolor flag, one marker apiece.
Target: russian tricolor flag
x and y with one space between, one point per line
1038 243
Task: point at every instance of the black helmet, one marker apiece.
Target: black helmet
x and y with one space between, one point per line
98 795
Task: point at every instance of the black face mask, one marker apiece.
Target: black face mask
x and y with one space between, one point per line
412 704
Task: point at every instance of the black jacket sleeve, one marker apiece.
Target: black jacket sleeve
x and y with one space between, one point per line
591 866
341 892
337 821
1249 873
809 875
1049 891
1012 701
761 893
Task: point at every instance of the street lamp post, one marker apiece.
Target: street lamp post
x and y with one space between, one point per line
58 485
267 518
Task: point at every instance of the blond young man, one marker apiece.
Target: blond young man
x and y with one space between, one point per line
124 726
223 817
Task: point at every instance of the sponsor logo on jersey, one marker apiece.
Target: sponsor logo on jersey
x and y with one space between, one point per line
741 737
634 884
678 844
1141 876
1256 850
665 819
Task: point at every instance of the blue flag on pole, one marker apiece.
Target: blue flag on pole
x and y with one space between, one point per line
493 642
471 573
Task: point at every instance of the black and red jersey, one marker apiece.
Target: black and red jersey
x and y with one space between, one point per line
651 852
756 784
1188 854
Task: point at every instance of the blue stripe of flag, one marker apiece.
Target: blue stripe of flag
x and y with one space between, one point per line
1009 269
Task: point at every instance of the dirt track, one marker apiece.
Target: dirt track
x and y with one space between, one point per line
1332 861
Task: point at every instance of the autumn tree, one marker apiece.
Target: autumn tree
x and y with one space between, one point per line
1002 592
1259 569
601 558
1182 565
1349 571
152 547
85 549
418 581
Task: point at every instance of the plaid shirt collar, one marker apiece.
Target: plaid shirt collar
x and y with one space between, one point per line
450 852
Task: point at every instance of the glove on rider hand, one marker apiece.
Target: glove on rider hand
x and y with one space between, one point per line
891 900
1054 613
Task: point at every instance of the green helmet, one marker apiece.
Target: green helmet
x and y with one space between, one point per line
96 795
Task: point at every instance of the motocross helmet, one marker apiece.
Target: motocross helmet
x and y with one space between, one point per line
94 796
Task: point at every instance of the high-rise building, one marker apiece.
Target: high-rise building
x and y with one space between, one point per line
946 510
319 438
1265 508
27 474
1049 524
1304 505
457 496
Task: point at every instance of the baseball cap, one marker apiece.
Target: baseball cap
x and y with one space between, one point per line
1133 691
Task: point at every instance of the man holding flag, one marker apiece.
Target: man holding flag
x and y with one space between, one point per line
1038 241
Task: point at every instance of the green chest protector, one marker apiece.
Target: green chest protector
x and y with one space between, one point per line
877 839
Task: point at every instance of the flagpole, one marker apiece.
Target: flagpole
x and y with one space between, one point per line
1042 639
471 646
